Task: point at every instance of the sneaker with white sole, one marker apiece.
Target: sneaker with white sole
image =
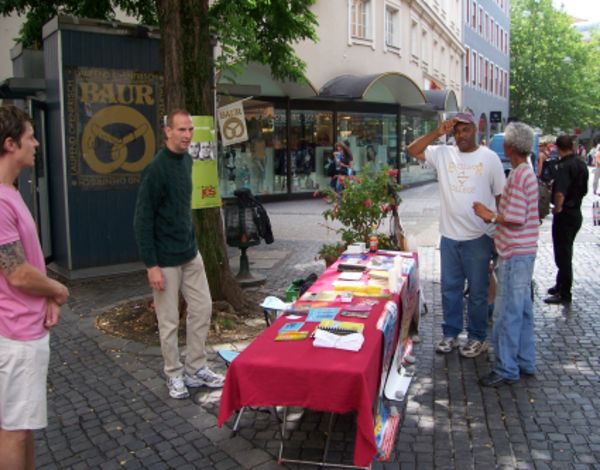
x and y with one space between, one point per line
177 388
473 348
204 376
446 345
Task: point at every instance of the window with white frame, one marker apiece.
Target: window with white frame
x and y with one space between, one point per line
496 80
435 63
425 49
361 19
443 65
487 75
473 68
392 33
480 72
467 12
481 20
497 36
474 14
414 39
500 82
467 65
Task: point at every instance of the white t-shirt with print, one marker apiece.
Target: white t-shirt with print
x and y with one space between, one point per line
463 179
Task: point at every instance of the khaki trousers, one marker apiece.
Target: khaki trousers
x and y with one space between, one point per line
190 278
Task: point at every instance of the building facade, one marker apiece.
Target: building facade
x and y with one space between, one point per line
486 65
369 83
367 80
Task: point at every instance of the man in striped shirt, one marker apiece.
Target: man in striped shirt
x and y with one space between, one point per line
517 231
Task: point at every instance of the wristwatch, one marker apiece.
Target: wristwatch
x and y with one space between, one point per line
493 219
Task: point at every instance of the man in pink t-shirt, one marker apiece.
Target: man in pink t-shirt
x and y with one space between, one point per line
29 301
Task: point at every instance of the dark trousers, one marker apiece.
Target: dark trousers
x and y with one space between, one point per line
564 229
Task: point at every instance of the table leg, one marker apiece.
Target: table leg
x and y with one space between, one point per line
322 463
236 423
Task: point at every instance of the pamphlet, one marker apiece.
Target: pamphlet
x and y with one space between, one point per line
341 327
324 295
292 336
350 276
292 326
319 314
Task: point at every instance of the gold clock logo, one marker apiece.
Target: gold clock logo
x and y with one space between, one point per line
97 131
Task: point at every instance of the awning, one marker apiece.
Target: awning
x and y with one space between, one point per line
20 88
442 100
391 87
256 79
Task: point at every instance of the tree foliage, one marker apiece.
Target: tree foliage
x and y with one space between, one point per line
554 72
263 31
37 13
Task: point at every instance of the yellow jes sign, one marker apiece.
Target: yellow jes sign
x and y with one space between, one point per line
111 93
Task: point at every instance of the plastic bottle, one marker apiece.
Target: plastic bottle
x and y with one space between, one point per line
373 243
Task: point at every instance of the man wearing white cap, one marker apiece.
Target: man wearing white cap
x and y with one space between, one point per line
467 173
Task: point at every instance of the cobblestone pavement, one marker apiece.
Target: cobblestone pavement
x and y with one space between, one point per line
108 405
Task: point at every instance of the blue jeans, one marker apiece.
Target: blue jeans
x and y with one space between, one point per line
468 260
514 342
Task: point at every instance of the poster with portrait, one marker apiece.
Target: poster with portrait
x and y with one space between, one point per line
203 150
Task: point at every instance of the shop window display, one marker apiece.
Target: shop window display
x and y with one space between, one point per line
412 126
370 137
311 143
258 164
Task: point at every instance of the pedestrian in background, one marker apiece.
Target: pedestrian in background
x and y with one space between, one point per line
29 301
596 169
165 235
568 189
343 163
467 173
516 237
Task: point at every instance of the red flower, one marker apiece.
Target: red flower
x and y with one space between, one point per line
368 203
393 173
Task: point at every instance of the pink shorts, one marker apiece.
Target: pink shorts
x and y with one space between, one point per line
23 373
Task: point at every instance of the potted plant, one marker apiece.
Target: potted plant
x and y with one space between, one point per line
330 252
361 207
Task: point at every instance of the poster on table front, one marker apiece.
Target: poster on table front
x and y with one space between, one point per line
203 150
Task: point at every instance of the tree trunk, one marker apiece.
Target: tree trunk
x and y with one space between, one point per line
187 57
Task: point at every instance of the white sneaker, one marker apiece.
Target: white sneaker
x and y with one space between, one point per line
204 376
446 345
177 388
473 348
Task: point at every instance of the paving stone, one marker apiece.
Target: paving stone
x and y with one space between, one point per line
107 398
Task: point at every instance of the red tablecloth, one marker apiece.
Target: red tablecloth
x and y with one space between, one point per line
295 373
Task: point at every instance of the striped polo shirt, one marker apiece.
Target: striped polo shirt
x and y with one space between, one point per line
519 205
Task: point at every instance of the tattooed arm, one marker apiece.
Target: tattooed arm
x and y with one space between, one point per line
23 276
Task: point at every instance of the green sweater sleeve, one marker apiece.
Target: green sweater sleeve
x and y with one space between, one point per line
148 198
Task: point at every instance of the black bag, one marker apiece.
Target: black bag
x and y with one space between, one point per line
544 199
549 169
260 216
331 169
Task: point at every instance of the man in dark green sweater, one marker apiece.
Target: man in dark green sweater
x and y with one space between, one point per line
167 243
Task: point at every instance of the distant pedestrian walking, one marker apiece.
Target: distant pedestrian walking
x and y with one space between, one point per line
29 301
596 169
167 244
568 189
